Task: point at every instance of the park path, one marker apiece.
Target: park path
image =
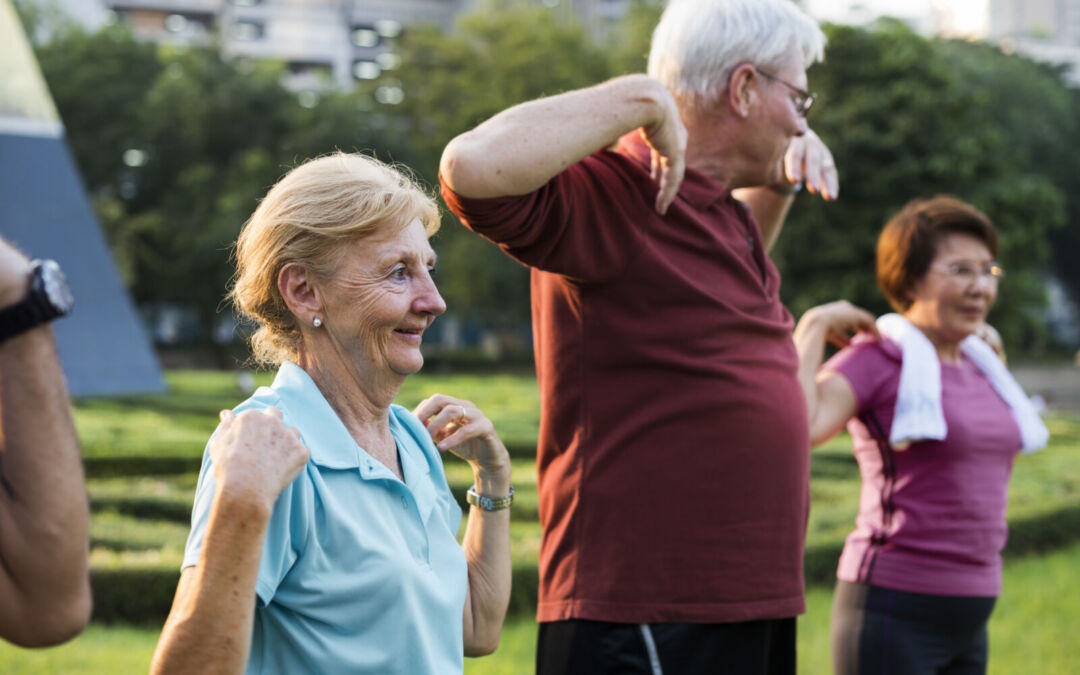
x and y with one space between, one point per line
1058 384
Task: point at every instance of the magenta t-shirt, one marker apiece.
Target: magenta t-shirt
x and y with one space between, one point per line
932 517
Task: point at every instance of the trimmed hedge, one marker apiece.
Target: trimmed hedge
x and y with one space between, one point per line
133 595
146 508
117 467
145 595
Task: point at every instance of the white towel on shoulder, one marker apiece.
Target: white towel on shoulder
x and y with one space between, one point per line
919 415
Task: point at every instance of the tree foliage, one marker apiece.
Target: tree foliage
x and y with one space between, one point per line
452 82
209 138
904 115
909 117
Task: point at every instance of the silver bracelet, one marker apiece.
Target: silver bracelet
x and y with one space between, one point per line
489 503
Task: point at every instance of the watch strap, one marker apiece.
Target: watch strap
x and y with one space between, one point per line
489 503
32 311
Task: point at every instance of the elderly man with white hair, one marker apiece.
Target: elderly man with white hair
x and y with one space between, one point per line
673 453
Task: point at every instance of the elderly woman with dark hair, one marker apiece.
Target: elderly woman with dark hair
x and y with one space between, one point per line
324 532
936 422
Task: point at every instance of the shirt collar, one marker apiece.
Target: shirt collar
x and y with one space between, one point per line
330 443
697 189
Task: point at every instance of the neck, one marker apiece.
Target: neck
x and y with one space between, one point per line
947 350
361 401
710 147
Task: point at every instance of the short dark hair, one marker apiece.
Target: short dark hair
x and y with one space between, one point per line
908 244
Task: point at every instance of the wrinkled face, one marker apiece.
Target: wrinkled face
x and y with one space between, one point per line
776 119
382 298
950 302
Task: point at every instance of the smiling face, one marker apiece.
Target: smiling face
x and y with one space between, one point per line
946 306
381 299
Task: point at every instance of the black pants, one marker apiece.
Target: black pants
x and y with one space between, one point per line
579 647
879 631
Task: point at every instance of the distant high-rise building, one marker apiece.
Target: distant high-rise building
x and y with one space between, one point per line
1048 21
1048 30
45 211
325 43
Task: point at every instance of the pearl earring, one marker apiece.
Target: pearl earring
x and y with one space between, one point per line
316 322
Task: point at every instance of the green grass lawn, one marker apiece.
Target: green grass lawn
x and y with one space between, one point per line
140 517
1032 631
179 422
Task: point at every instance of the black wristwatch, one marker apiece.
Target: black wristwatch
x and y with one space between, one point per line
49 298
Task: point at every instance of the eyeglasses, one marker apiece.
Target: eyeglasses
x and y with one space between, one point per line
967 273
802 99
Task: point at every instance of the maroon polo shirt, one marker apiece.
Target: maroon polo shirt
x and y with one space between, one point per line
673 454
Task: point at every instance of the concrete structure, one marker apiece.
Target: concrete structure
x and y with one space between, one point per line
1047 30
44 210
326 43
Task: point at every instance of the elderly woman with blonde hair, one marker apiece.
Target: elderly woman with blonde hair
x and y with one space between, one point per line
324 532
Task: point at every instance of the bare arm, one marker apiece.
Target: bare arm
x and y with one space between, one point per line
770 209
44 521
209 627
522 148
830 401
487 534
807 159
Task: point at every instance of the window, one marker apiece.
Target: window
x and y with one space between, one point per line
247 31
366 70
365 36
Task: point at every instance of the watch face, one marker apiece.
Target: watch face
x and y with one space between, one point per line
56 286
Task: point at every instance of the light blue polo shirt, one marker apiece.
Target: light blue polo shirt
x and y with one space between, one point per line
360 573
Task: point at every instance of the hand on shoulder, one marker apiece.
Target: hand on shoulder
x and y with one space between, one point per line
256 455
841 320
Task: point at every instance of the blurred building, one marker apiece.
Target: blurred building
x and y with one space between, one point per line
1047 30
325 43
45 211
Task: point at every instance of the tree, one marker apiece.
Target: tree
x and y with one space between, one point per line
910 117
177 146
454 81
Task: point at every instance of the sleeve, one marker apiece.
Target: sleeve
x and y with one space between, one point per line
286 532
868 365
585 223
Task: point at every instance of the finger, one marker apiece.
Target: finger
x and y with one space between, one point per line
838 340
454 442
794 160
450 418
871 327
866 322
655 166
831 187
274 412
814 161
430 406
670 180
226 417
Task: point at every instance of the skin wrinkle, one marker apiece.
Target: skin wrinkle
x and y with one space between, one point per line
382 284
760 155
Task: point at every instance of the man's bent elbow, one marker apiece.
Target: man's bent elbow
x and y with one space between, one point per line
483 645
47 624
462 168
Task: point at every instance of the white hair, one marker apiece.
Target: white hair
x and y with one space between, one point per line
698 43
